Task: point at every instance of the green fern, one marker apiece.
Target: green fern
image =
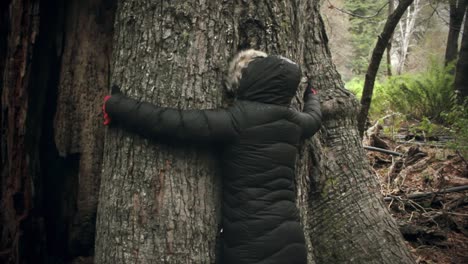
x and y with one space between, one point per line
425 94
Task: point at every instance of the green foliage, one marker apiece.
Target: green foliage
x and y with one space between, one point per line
457 118
380 103
416 96
364 31
425 128
426 94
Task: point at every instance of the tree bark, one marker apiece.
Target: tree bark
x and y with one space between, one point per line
16 185
457 12
55 62
158 203
78 132
373 67
48 186
461 78
346 219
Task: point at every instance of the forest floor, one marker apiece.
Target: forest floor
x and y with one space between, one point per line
434 222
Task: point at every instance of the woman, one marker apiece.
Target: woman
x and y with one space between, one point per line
260 136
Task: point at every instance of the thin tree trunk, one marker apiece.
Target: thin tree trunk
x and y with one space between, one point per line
407 28
457 11
158 203
461 76
373 67
391 7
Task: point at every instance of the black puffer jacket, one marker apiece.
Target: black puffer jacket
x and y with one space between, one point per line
260 135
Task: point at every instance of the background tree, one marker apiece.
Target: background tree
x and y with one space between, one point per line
404 36
461 78
376 58
391 7
55 65
366 22
457 12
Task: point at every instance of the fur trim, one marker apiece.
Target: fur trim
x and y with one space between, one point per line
238 63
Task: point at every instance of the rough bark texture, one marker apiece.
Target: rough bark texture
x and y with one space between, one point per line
461 76
457 11
49 200
16 187
161 203
347 220
78 130
377 54
158 203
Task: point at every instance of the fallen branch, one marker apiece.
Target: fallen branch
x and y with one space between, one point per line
427 194
383 151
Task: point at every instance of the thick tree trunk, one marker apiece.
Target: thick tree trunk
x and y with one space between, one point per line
55 67
376 58
457 11
347 220
461 76
158 203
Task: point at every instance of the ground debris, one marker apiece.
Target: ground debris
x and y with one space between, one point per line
426 191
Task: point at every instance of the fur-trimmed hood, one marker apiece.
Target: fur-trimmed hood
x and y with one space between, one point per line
265 79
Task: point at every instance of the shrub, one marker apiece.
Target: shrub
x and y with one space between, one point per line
457 117
425 94
380 103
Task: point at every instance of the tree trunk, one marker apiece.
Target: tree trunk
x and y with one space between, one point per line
51 87
457 11
159 203
373 67
55 63
461 78
346 219
407 27
391 7
16 185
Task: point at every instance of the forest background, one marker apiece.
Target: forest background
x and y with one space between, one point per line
418 108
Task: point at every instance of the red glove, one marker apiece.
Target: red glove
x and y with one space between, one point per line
107 119
309 89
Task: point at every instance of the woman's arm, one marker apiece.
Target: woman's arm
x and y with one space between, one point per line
310 119
160 122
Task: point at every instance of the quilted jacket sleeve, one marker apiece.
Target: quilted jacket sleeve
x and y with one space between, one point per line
159 122
310 119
